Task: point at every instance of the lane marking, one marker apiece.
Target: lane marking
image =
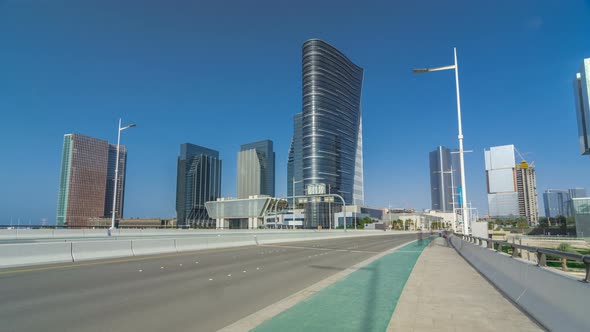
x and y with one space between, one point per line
122 260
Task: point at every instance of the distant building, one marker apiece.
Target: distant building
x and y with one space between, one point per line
501 181
555 202
512 188
87 180
581 211
445 180
256 169
331 130
582 97
295 185
198 181
526 186
577 193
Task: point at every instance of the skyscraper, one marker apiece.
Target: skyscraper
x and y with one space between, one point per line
577 193
501 181
198 181
445 179
87 180
512 188
256 169
526 187
331 148
555 202
582 97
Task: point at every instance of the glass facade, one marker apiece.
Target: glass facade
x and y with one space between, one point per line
582 98
256 169
555 202
331 126
87 171
198 181
581 209
295 160
501 181
445 179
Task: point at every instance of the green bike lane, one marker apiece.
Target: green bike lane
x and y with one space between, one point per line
362 301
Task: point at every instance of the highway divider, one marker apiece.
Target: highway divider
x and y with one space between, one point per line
67 251
556 300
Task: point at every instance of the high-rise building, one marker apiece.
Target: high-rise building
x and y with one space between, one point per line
256 169
198 181
512 188
331 129
501 181
445 179
87 180
576 193
582 97
526 186
295 162
555 202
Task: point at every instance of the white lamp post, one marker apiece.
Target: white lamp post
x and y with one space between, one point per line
117 172
461 160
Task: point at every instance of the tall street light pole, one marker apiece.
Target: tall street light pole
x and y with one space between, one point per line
117 172
465 211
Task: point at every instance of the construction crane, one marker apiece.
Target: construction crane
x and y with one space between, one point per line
523 163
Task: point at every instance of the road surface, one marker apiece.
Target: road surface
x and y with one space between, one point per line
196 291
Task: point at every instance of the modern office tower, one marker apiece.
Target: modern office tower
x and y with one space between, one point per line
445 179
526 186
295 162
198 181
577 193
582 96
87 180
331 148
501 181
556 203
256 169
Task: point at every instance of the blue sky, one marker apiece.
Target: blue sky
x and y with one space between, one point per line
224 73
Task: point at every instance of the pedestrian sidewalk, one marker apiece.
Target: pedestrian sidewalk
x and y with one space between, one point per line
444 293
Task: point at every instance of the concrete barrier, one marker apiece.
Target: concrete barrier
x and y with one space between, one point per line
184 244
7 234
558 301
153 246
22 254
89 250
82 250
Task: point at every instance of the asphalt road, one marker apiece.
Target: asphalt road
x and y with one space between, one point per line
197 291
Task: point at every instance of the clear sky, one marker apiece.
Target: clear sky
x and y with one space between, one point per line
224 73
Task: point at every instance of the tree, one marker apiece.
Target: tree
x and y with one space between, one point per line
366 220
521 223
543 222
562 222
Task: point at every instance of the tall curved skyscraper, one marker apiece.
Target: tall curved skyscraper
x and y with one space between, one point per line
331 127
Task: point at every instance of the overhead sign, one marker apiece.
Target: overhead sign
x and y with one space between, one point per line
316 189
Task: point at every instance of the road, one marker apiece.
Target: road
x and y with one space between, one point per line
196 291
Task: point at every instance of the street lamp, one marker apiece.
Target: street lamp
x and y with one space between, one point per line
460 136
117 173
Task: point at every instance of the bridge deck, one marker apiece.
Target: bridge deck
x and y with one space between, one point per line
444 293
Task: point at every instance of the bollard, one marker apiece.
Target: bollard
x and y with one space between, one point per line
587 279
514 252
541 259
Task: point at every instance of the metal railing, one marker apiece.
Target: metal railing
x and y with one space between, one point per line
541 253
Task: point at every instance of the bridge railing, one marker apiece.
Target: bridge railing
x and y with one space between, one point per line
541 253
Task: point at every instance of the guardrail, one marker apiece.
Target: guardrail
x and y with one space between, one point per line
541 253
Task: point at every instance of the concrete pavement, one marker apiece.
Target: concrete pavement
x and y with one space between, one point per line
444 293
